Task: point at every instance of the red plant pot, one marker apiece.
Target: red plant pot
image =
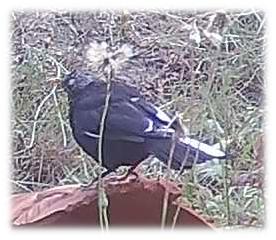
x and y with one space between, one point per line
131 203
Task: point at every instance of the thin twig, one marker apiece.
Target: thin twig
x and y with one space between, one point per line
37 115
176 216
187 153
100 151
40 168
21 186
226 172
64 137
166 196
84 164
30 183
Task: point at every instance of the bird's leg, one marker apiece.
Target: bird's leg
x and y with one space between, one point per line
129 171
89 184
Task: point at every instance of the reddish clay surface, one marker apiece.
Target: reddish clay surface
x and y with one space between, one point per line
131 203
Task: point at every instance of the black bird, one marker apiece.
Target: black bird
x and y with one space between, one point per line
134 128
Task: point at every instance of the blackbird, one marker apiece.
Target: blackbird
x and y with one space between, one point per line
134 128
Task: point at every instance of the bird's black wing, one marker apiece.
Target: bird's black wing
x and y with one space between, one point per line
129 117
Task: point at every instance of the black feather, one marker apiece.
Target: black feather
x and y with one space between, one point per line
134 128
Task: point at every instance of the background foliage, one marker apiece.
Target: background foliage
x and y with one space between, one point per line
207 66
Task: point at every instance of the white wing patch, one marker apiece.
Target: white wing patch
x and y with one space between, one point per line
161 115
212 151
150 126
166 130
134 99
93 135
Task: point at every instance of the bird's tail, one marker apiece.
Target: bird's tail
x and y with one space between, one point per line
187 152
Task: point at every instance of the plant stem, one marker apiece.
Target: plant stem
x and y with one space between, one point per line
166 196
100 156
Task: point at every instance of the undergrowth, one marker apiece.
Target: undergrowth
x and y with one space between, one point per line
206 66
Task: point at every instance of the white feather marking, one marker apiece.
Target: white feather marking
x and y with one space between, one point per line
161 115
168 130
134 99
150 126
93 135
203 147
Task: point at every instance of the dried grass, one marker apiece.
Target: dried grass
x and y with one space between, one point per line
207 66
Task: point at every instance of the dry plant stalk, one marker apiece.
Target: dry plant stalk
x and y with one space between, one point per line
166 196
102 207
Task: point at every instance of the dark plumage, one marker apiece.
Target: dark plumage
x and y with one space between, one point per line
134 128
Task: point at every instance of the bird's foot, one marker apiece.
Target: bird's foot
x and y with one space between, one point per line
129 172
93 183
112 179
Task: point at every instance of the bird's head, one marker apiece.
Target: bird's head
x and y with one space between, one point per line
75 81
